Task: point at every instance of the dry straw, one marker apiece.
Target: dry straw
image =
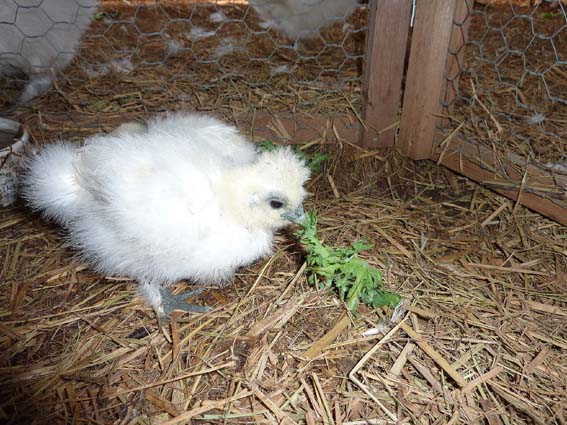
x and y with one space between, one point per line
485 298
484 281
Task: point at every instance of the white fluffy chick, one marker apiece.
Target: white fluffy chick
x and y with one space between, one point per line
38 37
186 197
302 18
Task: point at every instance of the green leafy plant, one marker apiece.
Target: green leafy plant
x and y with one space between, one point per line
267 145
107 15
551 15
314 161
342 270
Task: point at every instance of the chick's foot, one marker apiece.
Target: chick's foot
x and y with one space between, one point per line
170 302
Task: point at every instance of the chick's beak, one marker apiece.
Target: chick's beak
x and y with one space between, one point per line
296 216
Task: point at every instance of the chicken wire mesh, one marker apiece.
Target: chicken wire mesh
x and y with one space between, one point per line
230 57
507 88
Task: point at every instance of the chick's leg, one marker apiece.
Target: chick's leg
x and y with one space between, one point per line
164 302
170 302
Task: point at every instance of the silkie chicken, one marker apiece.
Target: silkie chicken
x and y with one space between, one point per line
301 18
185 197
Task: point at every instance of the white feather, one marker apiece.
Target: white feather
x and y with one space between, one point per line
302 18
186 197
51 185
217 17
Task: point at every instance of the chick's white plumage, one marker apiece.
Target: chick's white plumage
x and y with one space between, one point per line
186 197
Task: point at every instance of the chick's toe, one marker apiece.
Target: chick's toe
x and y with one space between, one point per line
171 302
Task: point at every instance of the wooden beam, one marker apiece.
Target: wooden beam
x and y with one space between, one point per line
425 77
286 127
384 70
539 190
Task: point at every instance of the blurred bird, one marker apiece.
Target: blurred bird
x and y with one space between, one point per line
302 18
186 197
38 38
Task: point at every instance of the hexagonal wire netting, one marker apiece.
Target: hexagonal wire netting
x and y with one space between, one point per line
511 95
140 56
227 57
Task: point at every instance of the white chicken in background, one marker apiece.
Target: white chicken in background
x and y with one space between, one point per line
38 37
302 18
185 198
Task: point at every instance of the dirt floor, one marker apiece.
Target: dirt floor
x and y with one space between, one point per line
482 335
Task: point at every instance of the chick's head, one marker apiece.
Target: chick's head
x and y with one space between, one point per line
270 191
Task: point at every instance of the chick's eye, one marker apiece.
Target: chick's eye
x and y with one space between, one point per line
276 204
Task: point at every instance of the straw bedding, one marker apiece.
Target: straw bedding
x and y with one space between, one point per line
481 339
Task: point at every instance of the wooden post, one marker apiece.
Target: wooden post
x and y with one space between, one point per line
425 77
384 69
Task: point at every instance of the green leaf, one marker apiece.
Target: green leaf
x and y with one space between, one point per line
312 161
342 270
551 15
267 145
112 15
